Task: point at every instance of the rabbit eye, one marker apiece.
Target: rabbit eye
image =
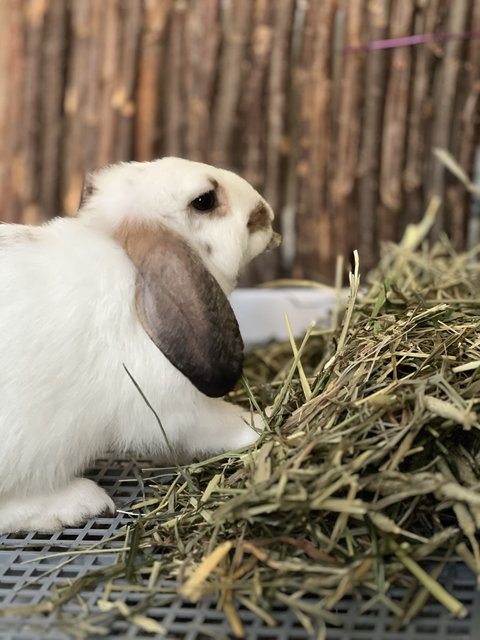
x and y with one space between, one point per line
205 202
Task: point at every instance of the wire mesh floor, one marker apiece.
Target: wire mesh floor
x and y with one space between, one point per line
33 565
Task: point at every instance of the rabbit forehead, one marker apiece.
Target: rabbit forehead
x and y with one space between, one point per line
185 180
172 178
168 186
176 175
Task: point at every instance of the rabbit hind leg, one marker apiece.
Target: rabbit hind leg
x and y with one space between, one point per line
71 506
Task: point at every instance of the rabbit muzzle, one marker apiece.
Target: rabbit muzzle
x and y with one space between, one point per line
275 241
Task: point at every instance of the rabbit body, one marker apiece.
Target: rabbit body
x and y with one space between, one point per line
70 323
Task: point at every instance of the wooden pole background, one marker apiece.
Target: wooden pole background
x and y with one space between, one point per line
338 135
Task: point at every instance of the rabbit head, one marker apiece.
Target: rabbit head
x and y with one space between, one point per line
188 228
217 212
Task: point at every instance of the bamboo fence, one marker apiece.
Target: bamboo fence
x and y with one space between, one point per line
302 97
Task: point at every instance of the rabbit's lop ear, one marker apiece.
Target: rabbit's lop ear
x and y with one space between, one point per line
183 309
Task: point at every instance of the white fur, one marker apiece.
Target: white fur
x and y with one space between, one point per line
68 324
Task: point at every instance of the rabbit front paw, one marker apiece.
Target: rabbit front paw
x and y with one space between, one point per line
249 427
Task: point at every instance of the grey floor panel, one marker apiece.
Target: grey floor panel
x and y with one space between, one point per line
30 567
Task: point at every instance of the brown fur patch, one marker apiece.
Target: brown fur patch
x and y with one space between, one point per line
137 238
223 203
259 218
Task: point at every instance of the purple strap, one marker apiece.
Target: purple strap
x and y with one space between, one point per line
408 41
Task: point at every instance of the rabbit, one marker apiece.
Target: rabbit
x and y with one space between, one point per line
121 306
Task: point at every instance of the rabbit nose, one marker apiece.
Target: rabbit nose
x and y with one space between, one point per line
275 241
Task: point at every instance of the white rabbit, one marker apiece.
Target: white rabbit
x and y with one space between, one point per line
137 280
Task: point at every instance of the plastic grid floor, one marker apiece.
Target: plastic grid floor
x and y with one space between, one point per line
30 567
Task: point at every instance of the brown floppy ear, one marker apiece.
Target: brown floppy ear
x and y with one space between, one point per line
183 309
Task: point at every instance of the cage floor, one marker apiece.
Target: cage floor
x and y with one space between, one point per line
34 564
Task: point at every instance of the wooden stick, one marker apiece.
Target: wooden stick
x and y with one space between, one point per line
348 134
236 23
420 114
253 115
175 117
445 99
313 225
149 128
28 184
89 116
7 95
202 56
108 132
371 135
395 123
276 123
277 101
124 94
468 123
77 88
254 107
51 107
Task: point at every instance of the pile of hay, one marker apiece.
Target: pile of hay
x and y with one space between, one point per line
370 464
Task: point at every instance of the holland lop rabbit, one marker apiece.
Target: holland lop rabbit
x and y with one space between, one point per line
136 283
